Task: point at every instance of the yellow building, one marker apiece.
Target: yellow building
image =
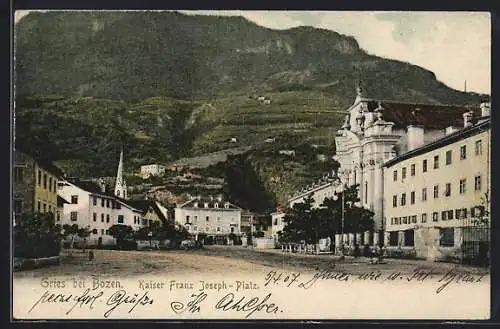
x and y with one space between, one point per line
35 185
436 195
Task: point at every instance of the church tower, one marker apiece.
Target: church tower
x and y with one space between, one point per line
120 185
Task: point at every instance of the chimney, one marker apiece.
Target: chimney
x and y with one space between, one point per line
415 134
102 185
485 109
450 130
467 118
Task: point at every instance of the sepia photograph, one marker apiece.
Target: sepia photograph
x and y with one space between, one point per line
243 165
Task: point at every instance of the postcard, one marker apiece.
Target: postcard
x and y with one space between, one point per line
243 165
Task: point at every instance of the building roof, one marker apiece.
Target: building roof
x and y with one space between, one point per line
42 162
211 203
145 205
431 116
61 201
446 140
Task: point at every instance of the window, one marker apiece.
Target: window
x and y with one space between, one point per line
50 183
94 216
447 190
477 211
208 218
39 177
447 237
403 173
461 213
102 218
403 199
409 238
50 208
424 166
436 191
18 206
412 170
102 231
477 183
58 216
55 185
436 161
94 201
118 205
393 238
73 216
463 152
107 218
39 206
216 205
443 215
107 232
423 218
195 205
392 220
18 174
218 229
226 205
414 219
195 219
450 214
478 147
462 186
205 205
108 203
74 199
395 175
120 219
187 219
44 207
424 194
45 181
394 201
232 229
412 197
448 157
435 216
102 202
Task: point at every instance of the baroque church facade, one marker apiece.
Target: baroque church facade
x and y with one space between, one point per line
376 131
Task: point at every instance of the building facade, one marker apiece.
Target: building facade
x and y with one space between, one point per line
152 170
277 225
436 195
214 217
319 191
90 206
34 185
376 131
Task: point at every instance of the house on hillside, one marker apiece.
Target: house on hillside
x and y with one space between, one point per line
34 184
215 218
152 170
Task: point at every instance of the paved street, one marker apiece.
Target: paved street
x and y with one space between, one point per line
216 260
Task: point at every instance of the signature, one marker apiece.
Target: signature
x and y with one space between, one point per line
456 276
229 303
192 306
86 299
327 273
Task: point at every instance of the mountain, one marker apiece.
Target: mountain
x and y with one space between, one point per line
136 55
165 86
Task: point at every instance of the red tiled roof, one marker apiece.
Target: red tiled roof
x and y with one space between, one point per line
431 116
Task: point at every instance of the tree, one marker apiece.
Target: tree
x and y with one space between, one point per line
70 231
37 235
120 233
83 233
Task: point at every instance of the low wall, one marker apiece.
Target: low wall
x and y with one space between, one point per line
31 263
263 243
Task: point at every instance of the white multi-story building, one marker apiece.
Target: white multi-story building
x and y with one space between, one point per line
319 191
213 217
277 224
376 131
90 206
435 194
152 170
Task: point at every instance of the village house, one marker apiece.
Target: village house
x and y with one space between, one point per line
376 131
435 193
34 185
152 170
214 217
277 224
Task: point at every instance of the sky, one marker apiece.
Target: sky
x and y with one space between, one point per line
456 46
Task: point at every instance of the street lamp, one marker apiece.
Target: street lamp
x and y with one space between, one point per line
339 190
150 235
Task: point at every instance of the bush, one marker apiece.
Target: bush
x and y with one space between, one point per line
129 245
37 236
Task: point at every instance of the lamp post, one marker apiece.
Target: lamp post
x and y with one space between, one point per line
339 190
150 235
